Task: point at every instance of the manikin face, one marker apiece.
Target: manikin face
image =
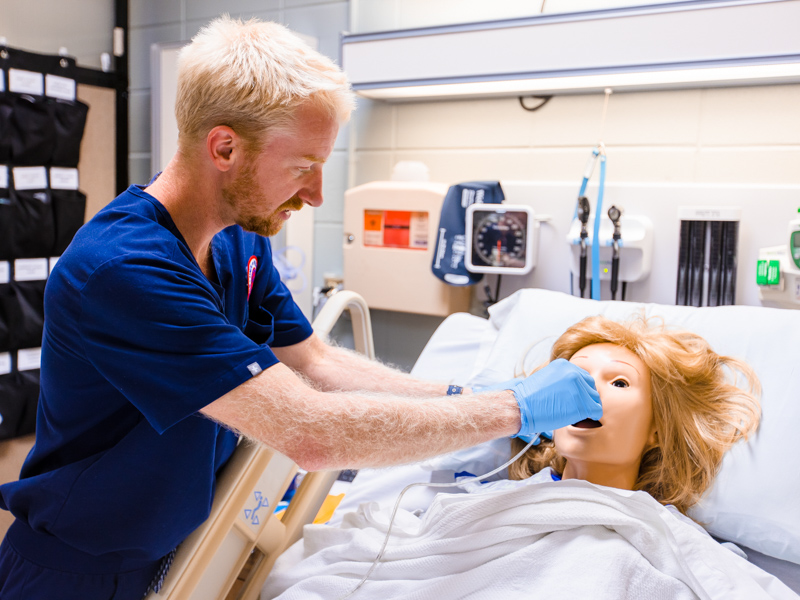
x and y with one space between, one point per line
610 453
284 175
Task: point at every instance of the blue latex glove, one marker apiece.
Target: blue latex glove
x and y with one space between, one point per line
555 396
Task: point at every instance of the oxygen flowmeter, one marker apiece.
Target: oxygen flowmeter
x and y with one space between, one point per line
794 241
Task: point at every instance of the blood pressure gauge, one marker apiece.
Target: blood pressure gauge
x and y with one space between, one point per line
499 239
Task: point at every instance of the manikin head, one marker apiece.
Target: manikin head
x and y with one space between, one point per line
264 108
670 411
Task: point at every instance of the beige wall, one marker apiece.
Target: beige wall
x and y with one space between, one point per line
736 135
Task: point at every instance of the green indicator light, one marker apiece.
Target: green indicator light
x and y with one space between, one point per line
774 272
761 273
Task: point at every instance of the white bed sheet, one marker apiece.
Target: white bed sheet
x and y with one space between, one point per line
509 539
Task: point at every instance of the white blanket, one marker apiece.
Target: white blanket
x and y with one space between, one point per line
567 539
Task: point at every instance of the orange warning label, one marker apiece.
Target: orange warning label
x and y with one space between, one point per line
396 229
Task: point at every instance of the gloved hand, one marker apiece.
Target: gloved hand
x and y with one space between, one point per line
508 385
555 396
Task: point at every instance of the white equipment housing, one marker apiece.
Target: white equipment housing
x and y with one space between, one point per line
389 275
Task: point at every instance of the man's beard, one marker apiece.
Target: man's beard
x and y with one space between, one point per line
246 199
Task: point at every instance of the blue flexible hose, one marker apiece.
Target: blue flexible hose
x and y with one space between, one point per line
596 234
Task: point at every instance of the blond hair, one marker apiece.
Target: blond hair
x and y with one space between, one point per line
252 76
699 411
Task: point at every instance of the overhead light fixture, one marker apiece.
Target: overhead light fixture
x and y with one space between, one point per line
684 45
762 74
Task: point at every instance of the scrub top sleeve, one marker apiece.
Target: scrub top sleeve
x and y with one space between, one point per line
290 324
154 328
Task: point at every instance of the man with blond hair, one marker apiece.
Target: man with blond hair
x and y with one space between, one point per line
168 334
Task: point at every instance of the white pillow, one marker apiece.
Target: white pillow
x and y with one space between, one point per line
755 499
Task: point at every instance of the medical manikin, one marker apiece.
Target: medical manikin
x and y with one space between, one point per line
670 412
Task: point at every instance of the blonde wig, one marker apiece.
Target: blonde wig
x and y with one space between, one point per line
252 76
699 410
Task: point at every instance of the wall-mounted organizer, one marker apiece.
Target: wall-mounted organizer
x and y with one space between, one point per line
41 128
707 253
635 246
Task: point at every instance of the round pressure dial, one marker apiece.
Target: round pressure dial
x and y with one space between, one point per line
499 239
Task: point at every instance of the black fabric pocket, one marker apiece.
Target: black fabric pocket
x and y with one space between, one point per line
5 129
33 134
6 225
19 398
23 308
12 406
70 121
5 320
69 207
33 225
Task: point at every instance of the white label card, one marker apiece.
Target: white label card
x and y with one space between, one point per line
62 178
25 82
3 177
53 261
31 269
30 178
5 271
29 359
60 87
5 363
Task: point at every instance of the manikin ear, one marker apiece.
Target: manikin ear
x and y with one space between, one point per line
652 439
224 147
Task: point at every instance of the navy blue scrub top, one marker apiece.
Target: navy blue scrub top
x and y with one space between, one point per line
136 341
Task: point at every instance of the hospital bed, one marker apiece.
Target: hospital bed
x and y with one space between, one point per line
753 502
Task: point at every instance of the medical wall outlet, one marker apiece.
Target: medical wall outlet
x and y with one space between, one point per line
390 230
707 255
501 239
635 246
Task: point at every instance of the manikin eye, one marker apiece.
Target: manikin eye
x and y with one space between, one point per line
619 383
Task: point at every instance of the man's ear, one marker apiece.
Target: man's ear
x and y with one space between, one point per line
224 147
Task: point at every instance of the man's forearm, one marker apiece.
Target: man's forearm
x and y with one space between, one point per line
344 430
337 369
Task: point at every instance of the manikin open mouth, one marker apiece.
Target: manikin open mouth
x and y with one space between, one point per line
587 424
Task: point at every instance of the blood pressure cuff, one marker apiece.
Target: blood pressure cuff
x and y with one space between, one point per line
69 207
33 224
19 396
451 246
70 120
33 136
22 310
